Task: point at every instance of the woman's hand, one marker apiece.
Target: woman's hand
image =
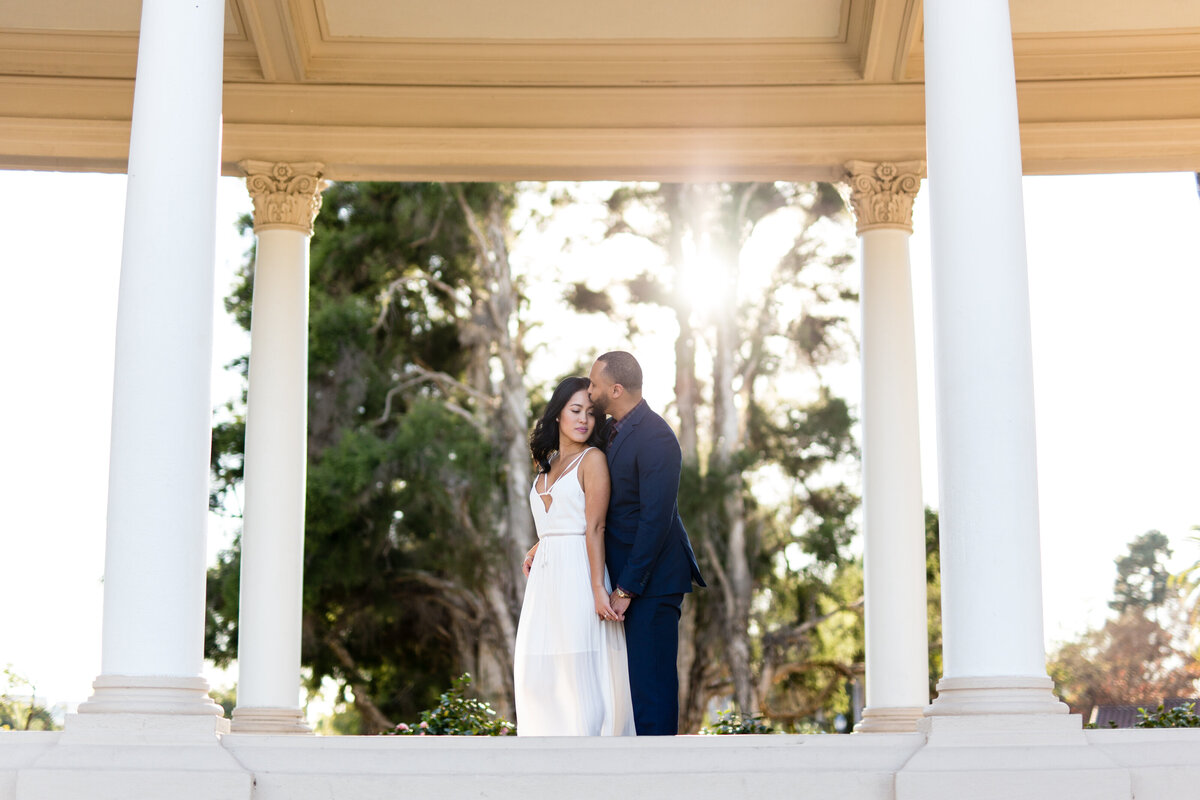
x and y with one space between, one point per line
604 609
527 564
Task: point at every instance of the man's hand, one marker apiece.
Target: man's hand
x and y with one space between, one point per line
619 604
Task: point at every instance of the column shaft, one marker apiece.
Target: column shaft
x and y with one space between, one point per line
893 512
154 571
987 461
897 669
272 547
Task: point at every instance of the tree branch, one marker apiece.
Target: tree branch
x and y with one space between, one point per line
385 296
372 716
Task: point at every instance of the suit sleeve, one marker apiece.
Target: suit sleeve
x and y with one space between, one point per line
658 464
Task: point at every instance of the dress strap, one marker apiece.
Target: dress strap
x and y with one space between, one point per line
546 480
576 461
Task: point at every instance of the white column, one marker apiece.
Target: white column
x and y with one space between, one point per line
286 200
987 460
154 564
897 637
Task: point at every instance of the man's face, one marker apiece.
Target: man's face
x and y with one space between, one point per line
599 389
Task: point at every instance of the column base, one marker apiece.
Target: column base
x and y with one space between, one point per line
1002 756
150 694
894 719
995 694
269 720
147 756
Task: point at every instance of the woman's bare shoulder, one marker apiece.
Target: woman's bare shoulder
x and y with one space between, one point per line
595 462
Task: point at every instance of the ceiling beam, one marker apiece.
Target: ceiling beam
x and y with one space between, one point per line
890 38
269 27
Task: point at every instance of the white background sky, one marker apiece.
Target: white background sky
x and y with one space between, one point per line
1115 286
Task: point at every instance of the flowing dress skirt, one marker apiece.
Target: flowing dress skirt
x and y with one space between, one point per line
571 670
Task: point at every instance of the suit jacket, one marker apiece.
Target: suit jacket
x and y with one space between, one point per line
646 548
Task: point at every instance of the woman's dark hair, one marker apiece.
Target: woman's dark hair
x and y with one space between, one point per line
543 442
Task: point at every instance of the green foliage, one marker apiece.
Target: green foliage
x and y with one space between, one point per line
1187 582
1183 716
343 721
226 698
405 481
1139 654
730 722
1142 576
457 715
19 707
933 596
400 505
771 517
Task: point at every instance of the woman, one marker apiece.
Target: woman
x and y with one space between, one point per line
571 670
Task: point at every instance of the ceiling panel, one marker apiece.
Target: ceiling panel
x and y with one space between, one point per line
576 19
1072 16
86 16
118 16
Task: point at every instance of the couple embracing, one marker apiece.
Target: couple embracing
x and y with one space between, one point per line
599 631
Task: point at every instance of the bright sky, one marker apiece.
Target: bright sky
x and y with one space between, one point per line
1114 281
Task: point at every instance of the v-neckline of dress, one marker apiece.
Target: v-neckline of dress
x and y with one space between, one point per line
549 493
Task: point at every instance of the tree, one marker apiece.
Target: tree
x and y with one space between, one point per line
933 596
1188 582
1138 657
19 706
771 565
419 469
411 526
1131 660
1142 575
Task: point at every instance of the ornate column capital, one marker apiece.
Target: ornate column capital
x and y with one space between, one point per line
882 192
286 195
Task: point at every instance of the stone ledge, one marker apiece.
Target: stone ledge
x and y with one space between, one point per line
1016 758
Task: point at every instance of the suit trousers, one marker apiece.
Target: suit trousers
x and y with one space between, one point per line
652 641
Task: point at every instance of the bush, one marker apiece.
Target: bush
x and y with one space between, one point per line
1183 716
731 722
19 708
457 715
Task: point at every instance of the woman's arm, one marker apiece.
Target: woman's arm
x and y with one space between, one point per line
593 477
527 564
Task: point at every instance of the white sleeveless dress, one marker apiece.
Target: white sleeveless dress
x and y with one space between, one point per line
571 671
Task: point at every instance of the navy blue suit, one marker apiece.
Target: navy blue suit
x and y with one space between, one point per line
647 552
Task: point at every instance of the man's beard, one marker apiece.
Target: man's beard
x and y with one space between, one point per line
600 406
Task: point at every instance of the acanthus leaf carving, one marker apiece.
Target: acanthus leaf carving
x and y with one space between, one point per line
286 195
882 193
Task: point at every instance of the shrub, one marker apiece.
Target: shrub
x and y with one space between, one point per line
1183 716
731 722
458 715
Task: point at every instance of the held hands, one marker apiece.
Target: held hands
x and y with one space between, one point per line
604 608
619 604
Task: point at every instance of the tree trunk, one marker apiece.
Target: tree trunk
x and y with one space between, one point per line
726 443
373 720
687 389
498 300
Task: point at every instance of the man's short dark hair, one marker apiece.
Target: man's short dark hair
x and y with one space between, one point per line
623 368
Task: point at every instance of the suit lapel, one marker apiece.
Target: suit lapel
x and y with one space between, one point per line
635 417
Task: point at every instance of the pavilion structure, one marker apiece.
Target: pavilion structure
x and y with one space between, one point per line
877 94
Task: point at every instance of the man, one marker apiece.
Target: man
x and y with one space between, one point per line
646 548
